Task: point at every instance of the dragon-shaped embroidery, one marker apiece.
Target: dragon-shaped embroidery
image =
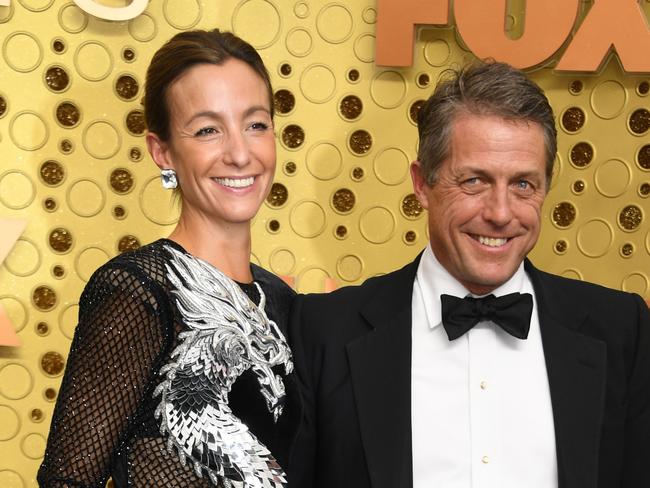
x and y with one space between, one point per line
228 335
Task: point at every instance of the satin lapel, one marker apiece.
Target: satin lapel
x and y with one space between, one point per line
380 365
576 366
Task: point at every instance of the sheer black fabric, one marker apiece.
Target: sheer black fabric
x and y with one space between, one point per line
103 423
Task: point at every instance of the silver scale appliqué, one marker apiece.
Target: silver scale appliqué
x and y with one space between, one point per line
228 335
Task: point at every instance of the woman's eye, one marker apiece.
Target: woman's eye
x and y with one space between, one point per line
259 126
205 131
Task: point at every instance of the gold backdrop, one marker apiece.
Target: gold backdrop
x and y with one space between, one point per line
73 163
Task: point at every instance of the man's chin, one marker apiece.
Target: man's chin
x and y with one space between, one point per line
484 283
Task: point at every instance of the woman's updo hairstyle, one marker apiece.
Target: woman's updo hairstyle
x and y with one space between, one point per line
180 53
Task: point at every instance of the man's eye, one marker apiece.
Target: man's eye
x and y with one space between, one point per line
523 185
472 181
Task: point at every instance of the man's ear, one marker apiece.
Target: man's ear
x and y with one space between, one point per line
159 151
420 186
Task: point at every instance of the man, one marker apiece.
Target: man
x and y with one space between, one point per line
405 385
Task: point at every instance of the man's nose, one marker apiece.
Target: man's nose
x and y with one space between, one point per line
498 206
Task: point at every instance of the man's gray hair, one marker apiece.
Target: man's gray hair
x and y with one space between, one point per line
482 88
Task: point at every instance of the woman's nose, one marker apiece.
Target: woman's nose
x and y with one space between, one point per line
236 151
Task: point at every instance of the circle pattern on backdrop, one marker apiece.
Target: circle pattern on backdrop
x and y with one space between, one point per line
342 207
257 21
377 224
28 130
16 382
307 218
17 190
324 161
22 51
334 23
93 61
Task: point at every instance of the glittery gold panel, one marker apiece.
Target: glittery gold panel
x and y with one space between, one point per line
561 246
627 249
578 186
42 328
414 110
126 87
411 206
52 363
278 195
56 78
643 88
284 101
351 107
341 231
573 119
564 214
640 121
360 141
49 204
643 157
128 243
135 122
52 173
44 297
67 114
357 173
74 162
410 236
121 180
66 146
60 239
36 415
575 87
293 136
630 217
581 154
343 200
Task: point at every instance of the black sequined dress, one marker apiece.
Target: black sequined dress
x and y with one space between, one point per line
103 423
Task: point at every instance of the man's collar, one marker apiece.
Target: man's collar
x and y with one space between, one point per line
434 280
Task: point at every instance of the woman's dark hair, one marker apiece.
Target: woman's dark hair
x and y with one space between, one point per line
184 51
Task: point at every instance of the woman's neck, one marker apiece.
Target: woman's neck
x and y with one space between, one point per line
227 248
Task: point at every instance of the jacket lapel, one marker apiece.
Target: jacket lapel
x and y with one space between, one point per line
576 366
380 365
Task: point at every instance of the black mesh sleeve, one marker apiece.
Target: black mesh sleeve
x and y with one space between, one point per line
117 346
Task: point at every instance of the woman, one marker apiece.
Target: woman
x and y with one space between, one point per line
166 331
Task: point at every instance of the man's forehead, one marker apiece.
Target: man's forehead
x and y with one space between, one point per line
480 141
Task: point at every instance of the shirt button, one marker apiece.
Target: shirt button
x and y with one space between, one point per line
485 459
484 385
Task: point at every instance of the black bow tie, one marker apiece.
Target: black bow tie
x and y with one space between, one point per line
511 312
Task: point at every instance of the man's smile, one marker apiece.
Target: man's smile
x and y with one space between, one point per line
490 241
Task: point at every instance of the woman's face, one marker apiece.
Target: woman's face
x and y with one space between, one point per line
221 144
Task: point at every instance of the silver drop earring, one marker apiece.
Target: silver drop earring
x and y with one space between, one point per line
168 178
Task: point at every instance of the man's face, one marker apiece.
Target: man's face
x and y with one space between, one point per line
485 206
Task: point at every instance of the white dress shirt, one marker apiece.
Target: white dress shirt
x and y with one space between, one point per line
480 405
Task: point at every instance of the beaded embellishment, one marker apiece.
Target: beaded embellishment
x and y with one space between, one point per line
228 335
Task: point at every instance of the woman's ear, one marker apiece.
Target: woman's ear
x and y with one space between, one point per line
159 151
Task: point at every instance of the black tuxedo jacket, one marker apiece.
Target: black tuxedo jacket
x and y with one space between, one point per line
352 351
